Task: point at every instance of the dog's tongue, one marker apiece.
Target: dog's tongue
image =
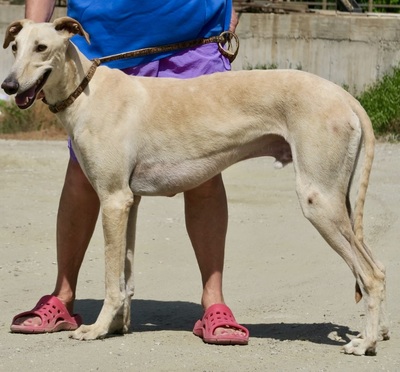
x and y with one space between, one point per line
23 98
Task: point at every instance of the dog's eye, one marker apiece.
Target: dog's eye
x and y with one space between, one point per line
14 47
41 48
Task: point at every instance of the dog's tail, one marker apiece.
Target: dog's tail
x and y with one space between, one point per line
368 139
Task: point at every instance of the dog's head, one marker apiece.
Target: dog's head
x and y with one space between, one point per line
38 49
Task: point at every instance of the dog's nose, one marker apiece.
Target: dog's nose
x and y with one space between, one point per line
10 85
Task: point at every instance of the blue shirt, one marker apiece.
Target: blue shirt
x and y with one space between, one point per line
120 26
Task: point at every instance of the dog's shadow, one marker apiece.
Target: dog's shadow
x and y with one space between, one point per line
151 315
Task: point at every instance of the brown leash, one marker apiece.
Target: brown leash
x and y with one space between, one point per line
225 38
225 46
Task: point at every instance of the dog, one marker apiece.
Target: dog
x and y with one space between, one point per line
139 136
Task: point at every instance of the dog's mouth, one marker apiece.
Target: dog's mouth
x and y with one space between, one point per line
27 98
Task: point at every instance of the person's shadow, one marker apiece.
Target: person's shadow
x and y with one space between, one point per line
151 315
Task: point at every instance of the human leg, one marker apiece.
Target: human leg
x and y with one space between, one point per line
76 220
206 215
77 215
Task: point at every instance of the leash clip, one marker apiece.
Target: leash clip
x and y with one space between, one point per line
229 47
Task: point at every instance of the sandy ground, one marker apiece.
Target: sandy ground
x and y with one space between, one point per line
281 279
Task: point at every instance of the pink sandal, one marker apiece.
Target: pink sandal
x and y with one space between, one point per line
54 315
219 315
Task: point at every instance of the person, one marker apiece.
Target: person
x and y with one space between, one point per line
116 27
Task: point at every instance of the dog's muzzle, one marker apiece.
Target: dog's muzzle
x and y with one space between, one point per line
26 98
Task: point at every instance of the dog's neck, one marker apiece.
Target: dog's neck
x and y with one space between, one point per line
67 79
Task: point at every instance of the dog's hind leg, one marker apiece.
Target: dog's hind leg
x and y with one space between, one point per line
326 209
115 214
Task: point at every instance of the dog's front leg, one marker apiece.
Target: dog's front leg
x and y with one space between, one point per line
115 212
122 321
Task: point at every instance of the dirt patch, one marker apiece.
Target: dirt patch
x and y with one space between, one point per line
282 280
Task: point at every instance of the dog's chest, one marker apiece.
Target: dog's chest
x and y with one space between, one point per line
165 179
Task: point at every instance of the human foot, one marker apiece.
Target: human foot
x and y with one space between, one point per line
49 315
218 326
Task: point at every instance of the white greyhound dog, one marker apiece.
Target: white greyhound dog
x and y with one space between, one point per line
137 136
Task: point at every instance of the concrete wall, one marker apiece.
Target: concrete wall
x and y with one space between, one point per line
346 49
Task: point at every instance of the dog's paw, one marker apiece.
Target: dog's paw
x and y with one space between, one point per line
360 346
120 324
89 332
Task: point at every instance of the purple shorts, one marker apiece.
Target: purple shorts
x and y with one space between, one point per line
203 60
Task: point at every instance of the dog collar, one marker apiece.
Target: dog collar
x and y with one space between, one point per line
62 105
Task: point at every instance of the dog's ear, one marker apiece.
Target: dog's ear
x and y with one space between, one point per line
70 26
12 31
